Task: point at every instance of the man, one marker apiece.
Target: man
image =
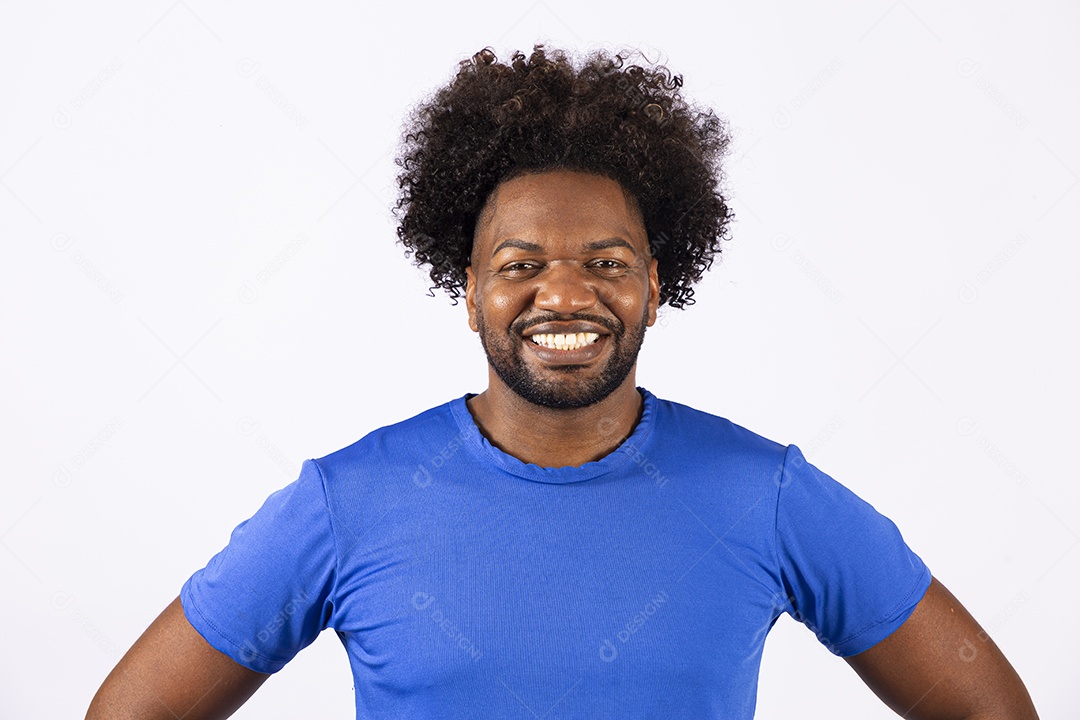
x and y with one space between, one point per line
563 544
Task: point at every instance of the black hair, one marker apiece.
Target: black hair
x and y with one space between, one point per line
495 120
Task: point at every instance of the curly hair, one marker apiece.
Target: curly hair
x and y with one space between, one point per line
495 121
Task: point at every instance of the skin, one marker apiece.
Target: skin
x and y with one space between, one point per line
172 672
561 215
939 665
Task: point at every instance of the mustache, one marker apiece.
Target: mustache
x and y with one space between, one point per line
614 326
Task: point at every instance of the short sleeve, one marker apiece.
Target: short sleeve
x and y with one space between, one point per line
268 593
846 569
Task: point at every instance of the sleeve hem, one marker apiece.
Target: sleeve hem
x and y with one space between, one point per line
866 639
242 654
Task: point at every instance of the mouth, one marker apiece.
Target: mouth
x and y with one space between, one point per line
565 341
566 349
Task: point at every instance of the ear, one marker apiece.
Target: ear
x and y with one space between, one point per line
654 291
470 297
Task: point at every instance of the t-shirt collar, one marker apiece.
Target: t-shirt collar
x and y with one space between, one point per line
489 454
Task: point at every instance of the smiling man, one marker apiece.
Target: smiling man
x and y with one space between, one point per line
560 288
564 544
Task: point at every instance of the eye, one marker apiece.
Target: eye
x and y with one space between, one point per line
517 269
607 266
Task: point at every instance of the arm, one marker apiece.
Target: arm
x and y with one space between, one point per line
171 672
940 665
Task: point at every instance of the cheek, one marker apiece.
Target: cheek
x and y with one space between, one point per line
502 304
498 307
630 299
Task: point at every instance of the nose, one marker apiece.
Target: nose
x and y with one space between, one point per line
565 289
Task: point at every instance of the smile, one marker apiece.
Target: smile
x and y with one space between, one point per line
565 342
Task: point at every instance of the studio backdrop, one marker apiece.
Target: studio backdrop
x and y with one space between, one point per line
201 287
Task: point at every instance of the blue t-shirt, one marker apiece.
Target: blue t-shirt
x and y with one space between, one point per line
465 583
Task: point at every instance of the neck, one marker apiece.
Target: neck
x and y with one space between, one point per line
556 438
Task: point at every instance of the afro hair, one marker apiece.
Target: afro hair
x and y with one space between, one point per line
495 121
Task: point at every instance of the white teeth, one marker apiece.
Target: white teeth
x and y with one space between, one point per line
565 342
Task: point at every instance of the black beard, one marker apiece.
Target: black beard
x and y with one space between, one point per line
504 355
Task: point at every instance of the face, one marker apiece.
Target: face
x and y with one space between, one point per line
561 287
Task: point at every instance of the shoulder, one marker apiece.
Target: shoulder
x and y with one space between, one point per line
399 443
702 431
712 452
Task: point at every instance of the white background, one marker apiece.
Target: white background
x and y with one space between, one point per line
201 288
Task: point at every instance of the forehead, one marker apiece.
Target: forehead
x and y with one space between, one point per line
559 204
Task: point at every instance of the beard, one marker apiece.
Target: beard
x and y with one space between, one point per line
569 388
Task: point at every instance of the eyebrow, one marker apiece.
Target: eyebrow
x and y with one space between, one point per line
515 243
534 247
610 243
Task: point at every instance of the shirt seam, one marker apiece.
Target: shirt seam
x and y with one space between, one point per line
776 531
330 519
237 648
888 616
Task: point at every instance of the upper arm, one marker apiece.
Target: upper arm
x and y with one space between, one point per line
171 672
941 664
